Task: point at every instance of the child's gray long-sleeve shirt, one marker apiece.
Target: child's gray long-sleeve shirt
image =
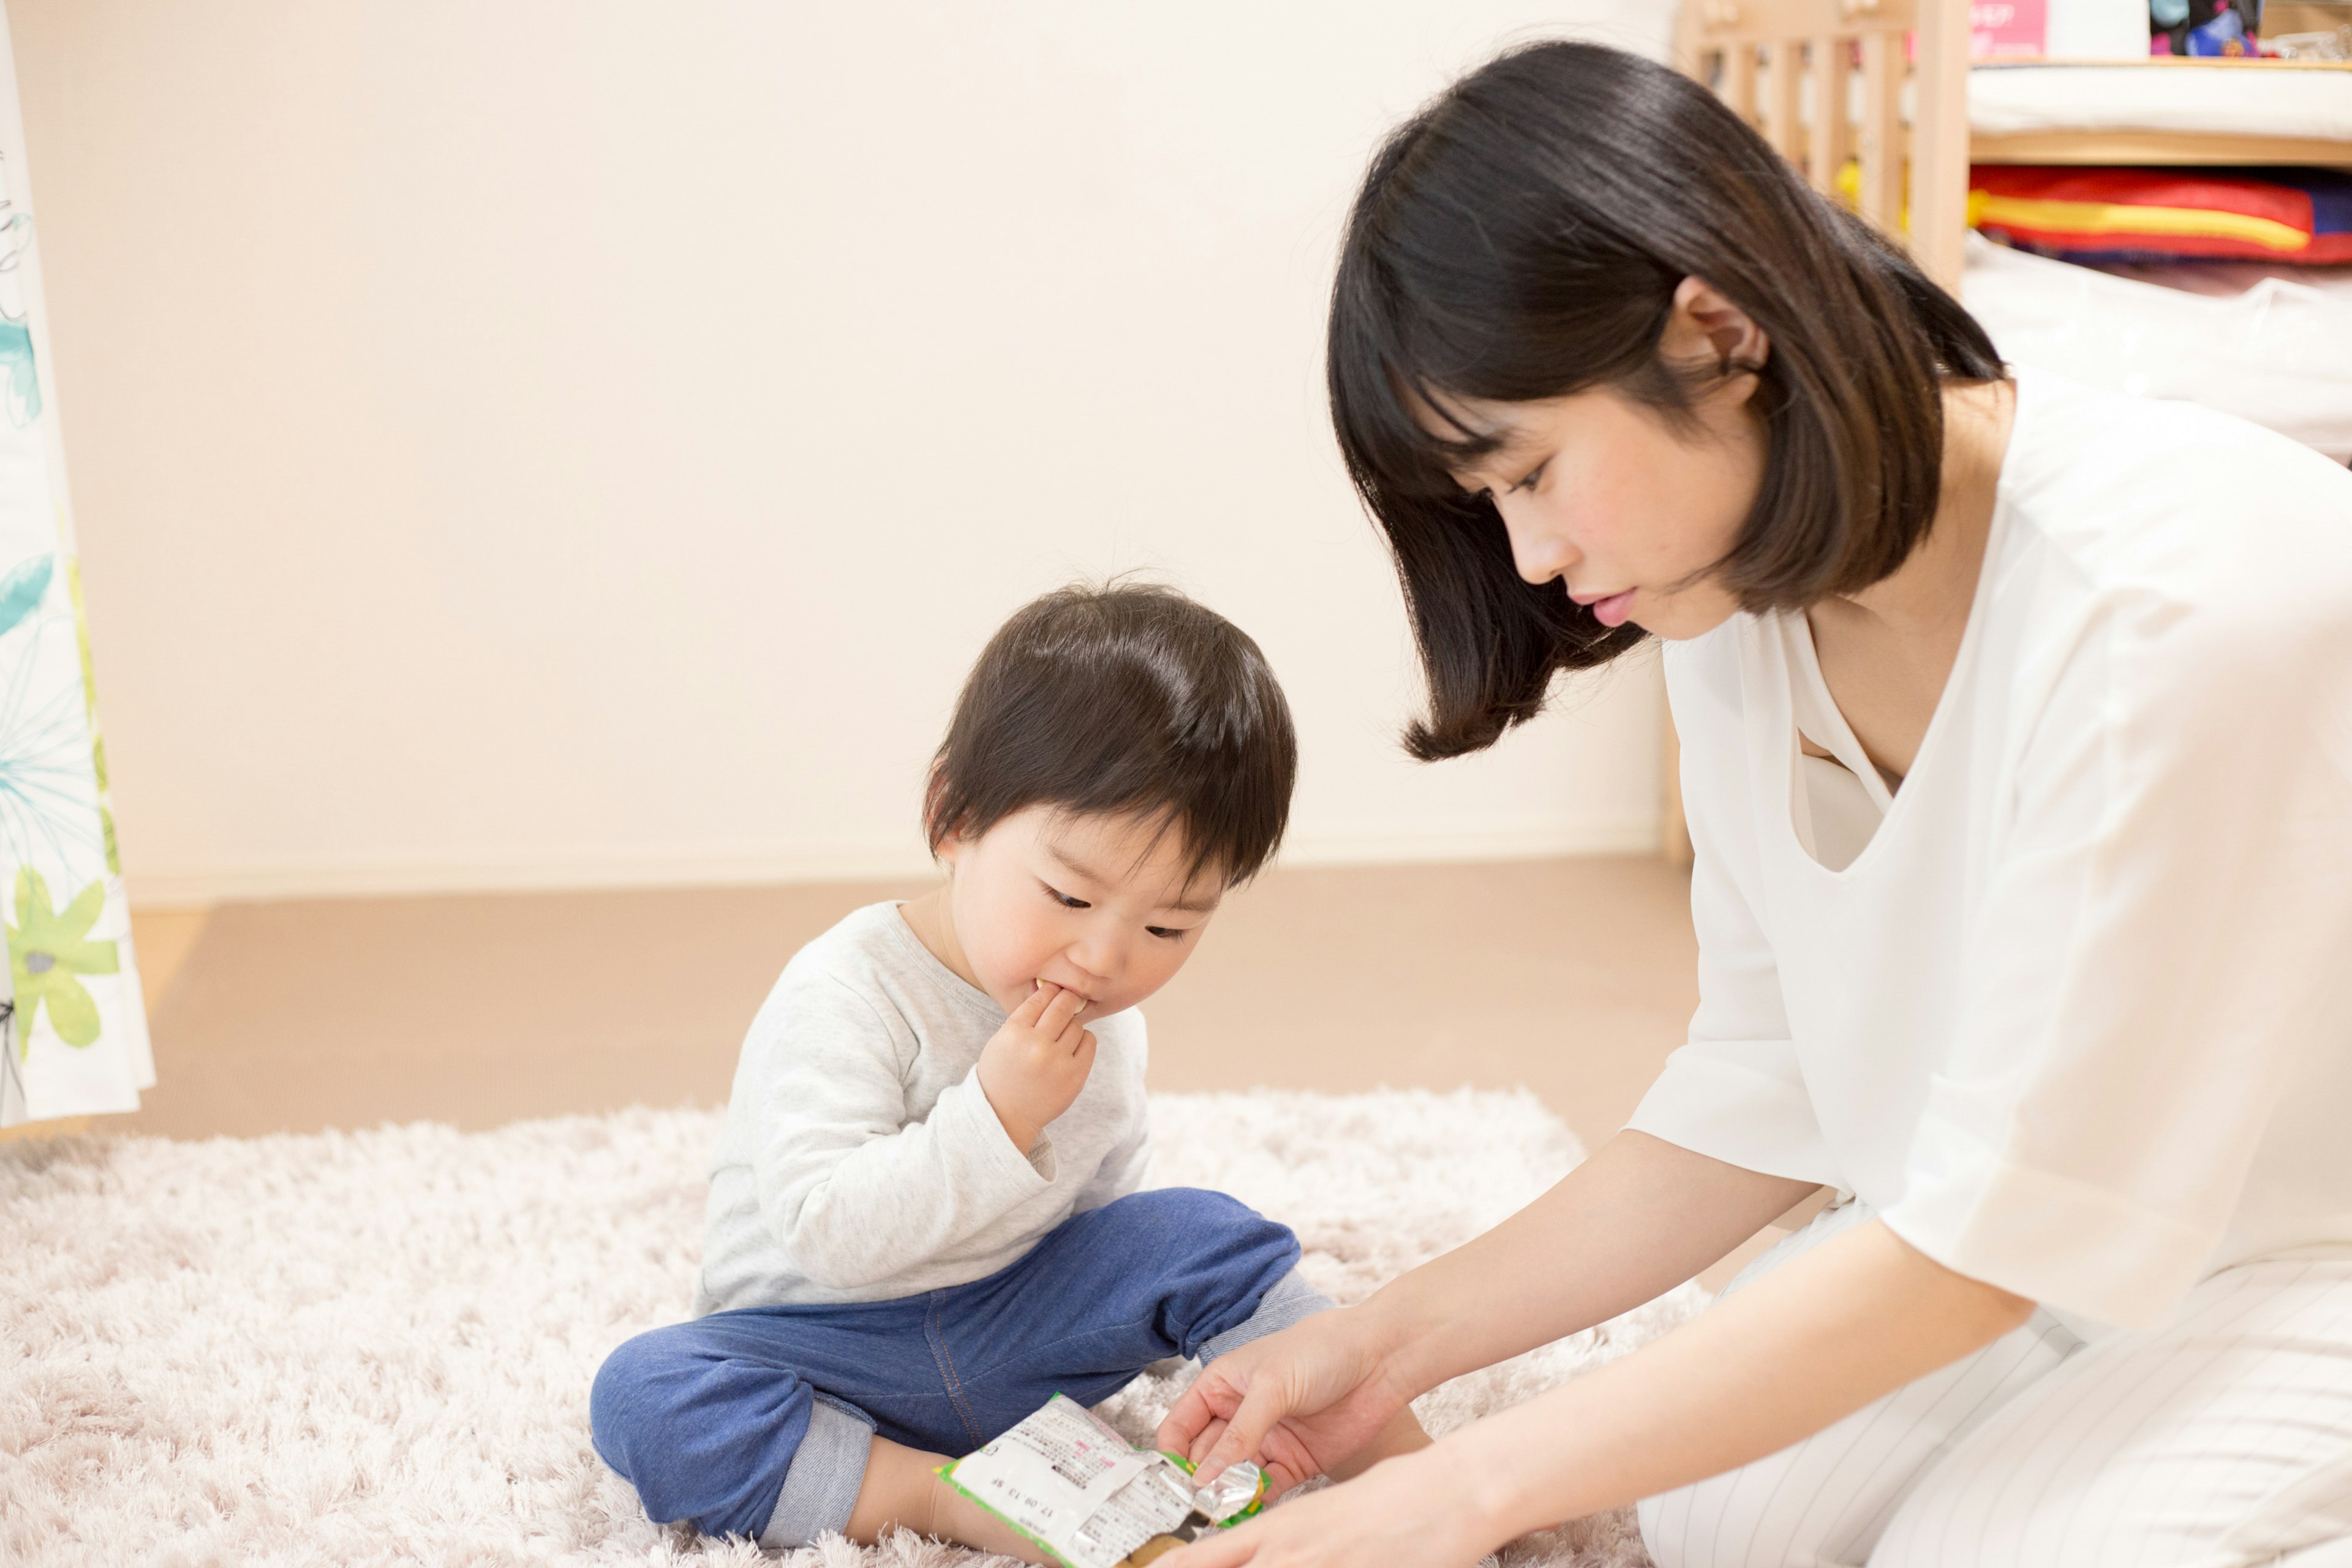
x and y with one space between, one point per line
861 1161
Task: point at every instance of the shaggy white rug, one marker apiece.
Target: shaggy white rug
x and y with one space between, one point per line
375 1347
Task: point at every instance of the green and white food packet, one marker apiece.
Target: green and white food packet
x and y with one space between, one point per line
1068 1481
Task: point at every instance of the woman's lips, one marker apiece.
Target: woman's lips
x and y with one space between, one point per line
1614 610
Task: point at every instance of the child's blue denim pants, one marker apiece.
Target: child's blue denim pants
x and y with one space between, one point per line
757 1422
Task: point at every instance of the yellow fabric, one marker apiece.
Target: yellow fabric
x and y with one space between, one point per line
2115 217
1848 188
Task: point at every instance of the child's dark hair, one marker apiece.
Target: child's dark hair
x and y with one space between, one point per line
1129 699
1521 239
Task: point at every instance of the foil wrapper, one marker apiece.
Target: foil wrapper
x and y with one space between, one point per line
1231 1494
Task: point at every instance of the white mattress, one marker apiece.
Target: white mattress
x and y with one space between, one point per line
2229 279
2218 97
2279 353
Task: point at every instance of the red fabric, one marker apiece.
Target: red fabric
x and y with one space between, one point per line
2147 188
2219 191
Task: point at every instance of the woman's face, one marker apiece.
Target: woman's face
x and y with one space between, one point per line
1628 511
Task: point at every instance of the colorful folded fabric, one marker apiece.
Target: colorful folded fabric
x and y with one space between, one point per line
2291 214
73 1040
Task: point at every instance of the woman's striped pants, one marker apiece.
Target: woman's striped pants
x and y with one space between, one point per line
2222 1440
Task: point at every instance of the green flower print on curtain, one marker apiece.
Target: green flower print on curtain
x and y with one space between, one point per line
89 711
22 589
47 949
76 1040
20 382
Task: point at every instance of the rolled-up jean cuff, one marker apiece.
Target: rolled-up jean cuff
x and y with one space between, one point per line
1291 1300
822 1484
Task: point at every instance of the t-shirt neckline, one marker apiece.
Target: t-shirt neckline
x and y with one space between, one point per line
947 979
1796 633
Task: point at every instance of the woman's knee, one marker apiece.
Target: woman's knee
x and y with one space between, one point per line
1827 1498
1742 1519
1778 1512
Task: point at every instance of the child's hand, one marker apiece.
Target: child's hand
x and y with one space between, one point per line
1034 1066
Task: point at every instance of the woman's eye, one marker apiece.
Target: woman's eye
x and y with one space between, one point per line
1534 476
1067 901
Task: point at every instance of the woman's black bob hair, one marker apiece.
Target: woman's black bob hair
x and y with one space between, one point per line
1521 239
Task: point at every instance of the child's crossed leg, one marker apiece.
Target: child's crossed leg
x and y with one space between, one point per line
781 1423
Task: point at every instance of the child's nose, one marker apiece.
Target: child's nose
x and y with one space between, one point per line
1098 957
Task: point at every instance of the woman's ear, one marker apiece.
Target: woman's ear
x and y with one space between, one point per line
1705 325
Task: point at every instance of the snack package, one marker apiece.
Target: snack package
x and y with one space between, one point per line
1066 1480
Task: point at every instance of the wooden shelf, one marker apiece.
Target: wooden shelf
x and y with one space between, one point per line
2184 148
2161 62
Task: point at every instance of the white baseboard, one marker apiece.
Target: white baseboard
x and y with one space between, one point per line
542 870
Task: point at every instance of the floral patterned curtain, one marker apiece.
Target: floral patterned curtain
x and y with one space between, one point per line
75 1030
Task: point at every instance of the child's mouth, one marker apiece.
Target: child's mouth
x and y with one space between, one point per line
1086 1003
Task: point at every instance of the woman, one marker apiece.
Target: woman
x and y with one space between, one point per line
2017 721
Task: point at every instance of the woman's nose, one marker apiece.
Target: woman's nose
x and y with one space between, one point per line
1538 550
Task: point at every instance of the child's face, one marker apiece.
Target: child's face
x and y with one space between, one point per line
1099 905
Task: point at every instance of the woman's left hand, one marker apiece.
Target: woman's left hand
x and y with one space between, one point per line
1406 1513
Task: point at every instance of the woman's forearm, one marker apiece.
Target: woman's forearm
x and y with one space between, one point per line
1844 1325
1636 1219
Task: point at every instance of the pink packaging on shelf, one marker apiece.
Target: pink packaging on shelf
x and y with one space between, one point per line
2000 30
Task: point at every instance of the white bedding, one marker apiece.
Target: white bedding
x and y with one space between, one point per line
2218 97
2279 353
2229 279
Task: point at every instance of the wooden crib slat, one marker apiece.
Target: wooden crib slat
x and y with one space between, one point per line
1781 112
1739 79
1881 139
1939 141
1825 143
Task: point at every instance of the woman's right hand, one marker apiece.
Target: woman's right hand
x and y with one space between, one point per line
1301 1402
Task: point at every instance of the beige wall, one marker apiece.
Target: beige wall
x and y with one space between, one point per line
547 444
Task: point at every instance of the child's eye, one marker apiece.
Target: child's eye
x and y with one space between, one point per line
1064 899
1173 933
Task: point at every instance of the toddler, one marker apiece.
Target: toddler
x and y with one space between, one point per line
924 1219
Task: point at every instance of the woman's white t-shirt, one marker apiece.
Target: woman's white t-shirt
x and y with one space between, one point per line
2075 1011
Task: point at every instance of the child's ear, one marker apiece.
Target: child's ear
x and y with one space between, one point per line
945 842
